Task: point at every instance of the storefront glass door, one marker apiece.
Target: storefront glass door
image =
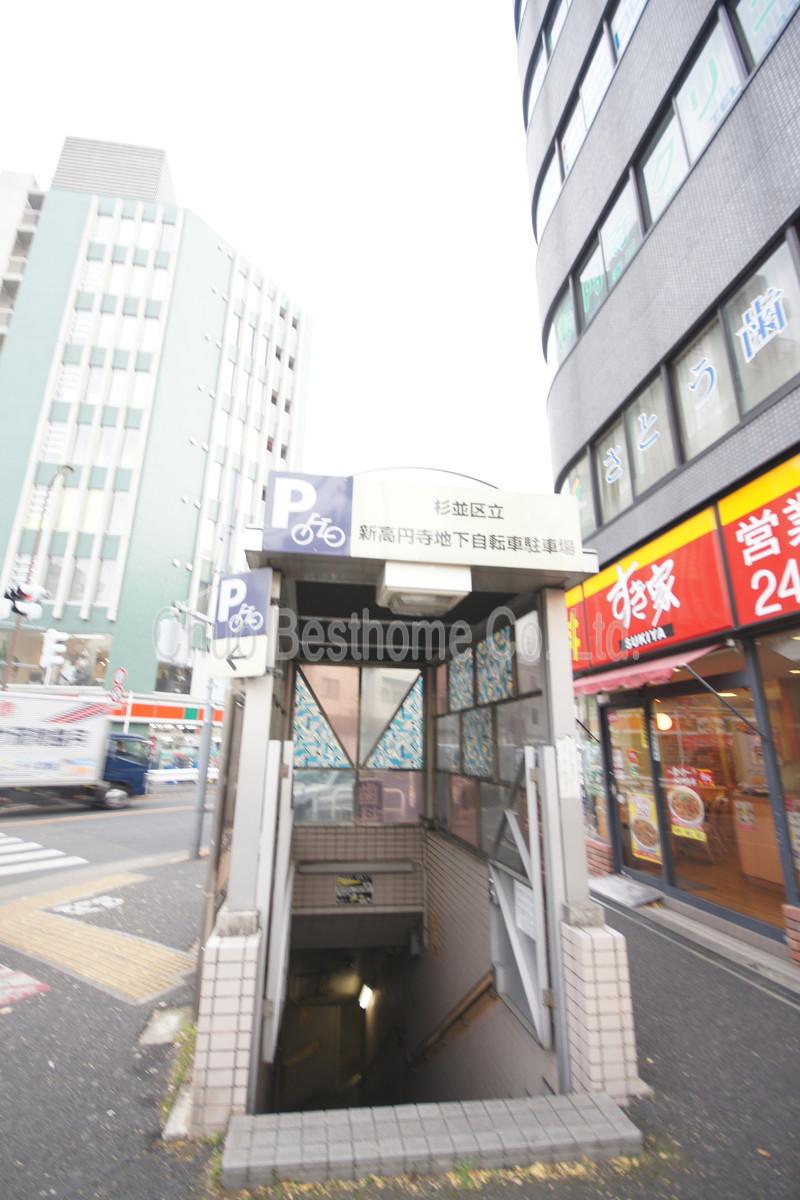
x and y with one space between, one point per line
721 829
633 789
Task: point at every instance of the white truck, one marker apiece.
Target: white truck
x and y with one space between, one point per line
56 744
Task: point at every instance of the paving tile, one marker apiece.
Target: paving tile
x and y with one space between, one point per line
416 1154
465 1147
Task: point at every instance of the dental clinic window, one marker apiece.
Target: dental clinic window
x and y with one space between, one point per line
623 23
579 484
650 437
620 234
573 136
704 391
613 472
592 284
664 169
763 320
548 194
761 21
597 78
710 89
556 24
563 331
537 80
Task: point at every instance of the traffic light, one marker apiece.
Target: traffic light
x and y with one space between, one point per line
54 648
23 601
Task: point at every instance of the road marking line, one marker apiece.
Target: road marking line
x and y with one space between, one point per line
76 891
30 856
16 844
115 814
49 863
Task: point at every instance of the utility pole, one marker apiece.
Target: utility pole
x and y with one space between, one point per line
61 473
221 566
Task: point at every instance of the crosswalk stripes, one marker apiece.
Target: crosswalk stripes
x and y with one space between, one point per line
18 856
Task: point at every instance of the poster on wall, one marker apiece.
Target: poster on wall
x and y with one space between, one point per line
687 813
369 800
354 889
761 530
643 823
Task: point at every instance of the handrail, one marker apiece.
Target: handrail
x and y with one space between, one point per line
458 1019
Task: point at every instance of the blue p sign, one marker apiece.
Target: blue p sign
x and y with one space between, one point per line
308 514
243 604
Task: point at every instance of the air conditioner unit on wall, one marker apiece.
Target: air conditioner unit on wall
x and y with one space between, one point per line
422 589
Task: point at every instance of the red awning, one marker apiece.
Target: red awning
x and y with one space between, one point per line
640 674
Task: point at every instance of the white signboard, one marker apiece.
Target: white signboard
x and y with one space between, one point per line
421 521
241 626
48 740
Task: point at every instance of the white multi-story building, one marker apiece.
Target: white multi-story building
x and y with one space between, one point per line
167 371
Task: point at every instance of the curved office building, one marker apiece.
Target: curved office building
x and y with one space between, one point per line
663 151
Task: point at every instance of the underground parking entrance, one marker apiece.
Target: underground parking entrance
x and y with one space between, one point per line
404 944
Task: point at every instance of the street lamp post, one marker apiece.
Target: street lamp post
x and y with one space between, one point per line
61 473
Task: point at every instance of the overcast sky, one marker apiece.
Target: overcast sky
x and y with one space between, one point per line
370 157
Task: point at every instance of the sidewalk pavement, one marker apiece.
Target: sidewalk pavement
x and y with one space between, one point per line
80 1098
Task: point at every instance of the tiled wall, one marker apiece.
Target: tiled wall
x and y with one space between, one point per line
354 844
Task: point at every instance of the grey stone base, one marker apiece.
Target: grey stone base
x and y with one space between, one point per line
352 1143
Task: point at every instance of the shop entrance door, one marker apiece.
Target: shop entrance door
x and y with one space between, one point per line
633 790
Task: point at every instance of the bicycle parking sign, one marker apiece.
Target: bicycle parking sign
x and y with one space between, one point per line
308 514
241 623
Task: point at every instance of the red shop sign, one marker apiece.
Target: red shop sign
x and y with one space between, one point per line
761 528
664 593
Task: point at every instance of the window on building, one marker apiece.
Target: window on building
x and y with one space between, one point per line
650 437
67 386
579 484
278 353
556 24
104 591
704 391
52 576
36 500
77 587
623 23
620 234
563 330
763 320
537 79
779 659
54 442
265 349
710 89
131 449
664 169
597 78
120 512
93 276
573 136
80 328
592 283
760 22
613 472
548 194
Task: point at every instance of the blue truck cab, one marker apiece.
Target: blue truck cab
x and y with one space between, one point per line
127 761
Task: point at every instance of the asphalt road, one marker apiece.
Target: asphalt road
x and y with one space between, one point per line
37 843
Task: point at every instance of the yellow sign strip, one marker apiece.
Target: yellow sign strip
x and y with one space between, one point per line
681 535
574 596
768 487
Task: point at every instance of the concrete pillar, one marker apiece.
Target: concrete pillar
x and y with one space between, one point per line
231 986
589 960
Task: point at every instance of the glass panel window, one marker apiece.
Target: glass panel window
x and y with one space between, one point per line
596 79
664 169
763 320
593 792
323 797
519 724
620 235
389 797
495 673
613 472
579 484
77 587
779 659
710 89
623 23
556 24
650 436
634 789
548 194
563 331
761 21
464 809
52 577
573 136
704 391
461 682
592 282
448 743
537 79
477 745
